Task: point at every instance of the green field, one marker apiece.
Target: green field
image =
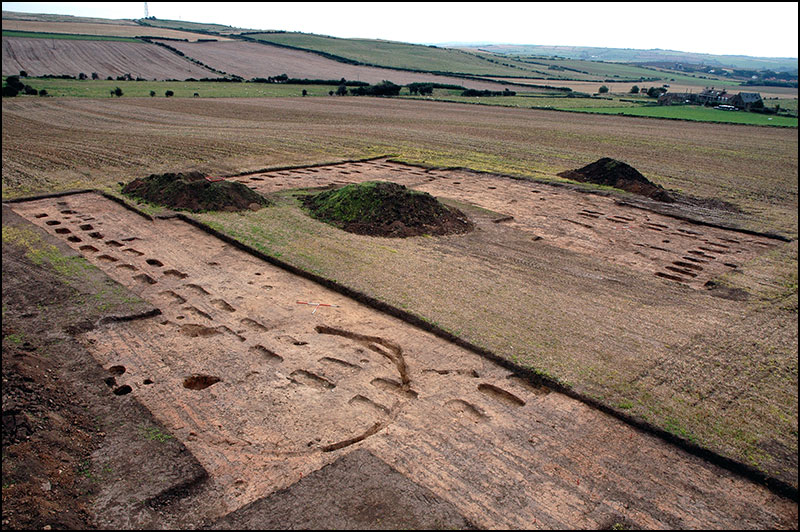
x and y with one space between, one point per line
399 55
183 89
68 36
189 26
575 69
615 105
696 113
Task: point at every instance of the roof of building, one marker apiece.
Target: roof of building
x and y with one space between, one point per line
748 97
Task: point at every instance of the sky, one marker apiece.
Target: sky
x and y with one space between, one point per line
760 29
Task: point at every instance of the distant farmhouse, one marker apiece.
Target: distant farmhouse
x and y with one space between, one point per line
711 96
747 100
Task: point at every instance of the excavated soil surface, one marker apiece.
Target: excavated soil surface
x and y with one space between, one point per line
386 209
305 410
191 191
683 244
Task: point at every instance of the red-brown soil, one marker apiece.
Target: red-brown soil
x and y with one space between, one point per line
301 405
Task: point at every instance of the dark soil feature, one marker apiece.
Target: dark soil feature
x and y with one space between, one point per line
382 208
358 491
617 174
191 191
200 382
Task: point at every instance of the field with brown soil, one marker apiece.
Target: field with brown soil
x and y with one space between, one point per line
110 29
553 280
250 60
39 57
592 87
75 143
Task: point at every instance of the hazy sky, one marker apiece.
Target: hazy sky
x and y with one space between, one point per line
764 29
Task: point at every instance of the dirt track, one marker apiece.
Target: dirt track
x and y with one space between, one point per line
301 387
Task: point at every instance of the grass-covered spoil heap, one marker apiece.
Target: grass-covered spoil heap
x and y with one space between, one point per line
613 173
380 208
191 191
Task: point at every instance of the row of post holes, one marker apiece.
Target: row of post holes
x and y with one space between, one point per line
194 382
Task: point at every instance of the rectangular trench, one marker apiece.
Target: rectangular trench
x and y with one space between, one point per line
265 391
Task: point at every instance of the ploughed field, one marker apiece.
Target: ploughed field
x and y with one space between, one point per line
39 57
253 59
690 327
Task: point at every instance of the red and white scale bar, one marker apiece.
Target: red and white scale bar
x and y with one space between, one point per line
316 305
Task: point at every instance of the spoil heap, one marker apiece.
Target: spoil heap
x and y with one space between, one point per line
613 173
191 191
380 208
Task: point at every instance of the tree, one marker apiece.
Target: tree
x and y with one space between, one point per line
8 90
95 75
82 76
117 92
15 83
23 74
330 93
43 92
342 90
152 93
305 92
655 92
169 93
635 89
603 89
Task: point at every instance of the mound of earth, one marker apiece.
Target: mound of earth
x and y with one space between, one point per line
191 191
613 173
381 208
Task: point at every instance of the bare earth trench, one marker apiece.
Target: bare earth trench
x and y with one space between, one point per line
342 416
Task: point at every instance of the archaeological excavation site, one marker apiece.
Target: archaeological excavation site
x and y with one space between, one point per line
281 397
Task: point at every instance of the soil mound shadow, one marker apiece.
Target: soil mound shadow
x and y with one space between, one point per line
613 173
191 191
356 492
382 208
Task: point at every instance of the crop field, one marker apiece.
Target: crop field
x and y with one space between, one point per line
584 288
674 86
71 36
71 88
577 70
249 60
86 28
190 26
40 57
694 112
396 54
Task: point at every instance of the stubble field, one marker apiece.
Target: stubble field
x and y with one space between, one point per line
720 372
